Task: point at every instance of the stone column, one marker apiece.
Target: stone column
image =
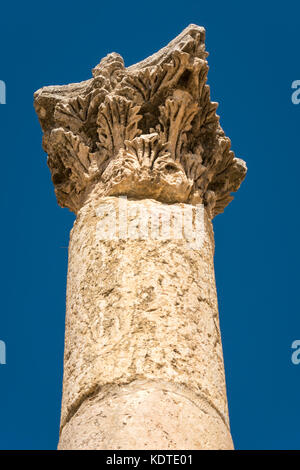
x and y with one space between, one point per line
139 156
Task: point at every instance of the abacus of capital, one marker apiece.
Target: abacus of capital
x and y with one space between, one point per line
143 362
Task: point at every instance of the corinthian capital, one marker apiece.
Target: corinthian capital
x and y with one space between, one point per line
146 131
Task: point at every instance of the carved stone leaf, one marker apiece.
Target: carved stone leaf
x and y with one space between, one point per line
110 71
146 149
145 169
70 162
144 85
75 113
192 163
176 120
117 121
197 78
226 182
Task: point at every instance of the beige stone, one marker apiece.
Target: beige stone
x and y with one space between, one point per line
139 155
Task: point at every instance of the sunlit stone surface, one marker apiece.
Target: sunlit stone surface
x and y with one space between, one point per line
139 155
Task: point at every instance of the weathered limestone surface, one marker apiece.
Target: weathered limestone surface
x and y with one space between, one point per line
141 311
143 366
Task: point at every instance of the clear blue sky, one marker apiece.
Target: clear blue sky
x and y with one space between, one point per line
254 58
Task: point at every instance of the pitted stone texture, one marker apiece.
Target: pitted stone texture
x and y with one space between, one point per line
141 309
146 416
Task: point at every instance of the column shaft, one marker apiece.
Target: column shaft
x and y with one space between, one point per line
143 365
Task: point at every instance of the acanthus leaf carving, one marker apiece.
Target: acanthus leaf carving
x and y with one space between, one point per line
117 121
152 123
145 168
147 149
176 120
72 165
75 113
144 85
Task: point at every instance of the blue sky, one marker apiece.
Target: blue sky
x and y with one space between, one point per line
254 58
